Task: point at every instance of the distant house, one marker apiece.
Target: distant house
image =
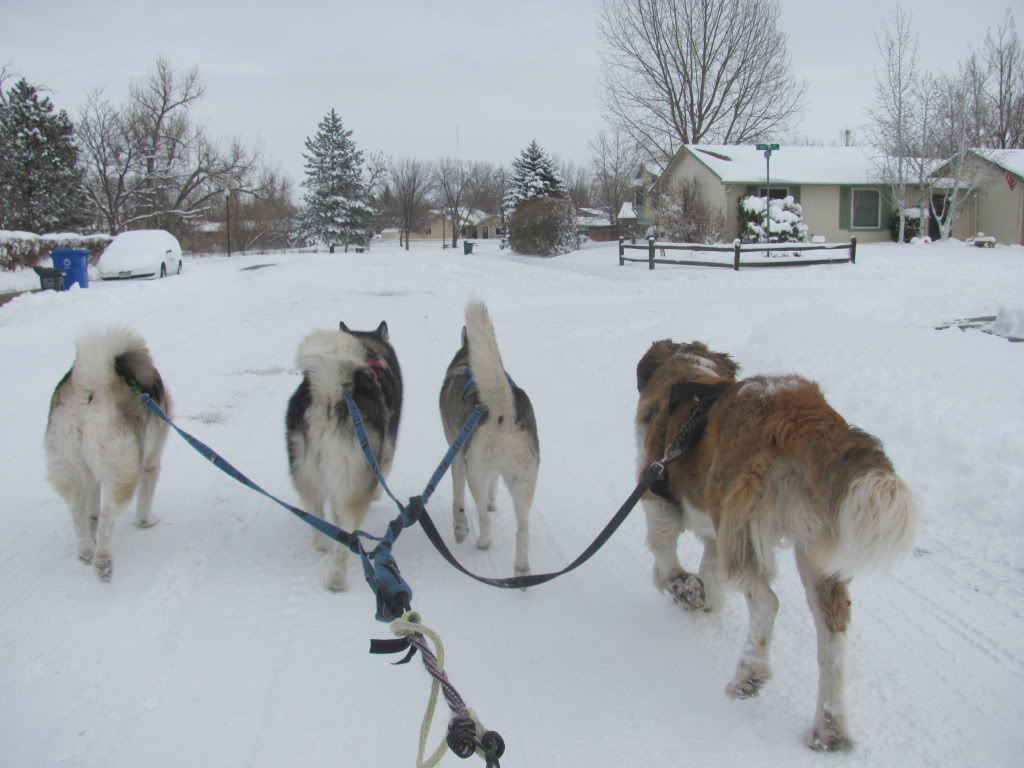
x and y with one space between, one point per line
643 188
596 224
439 227
998 203
839 189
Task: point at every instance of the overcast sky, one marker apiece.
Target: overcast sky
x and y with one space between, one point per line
427 78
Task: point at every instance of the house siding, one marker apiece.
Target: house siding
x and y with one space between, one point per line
999 210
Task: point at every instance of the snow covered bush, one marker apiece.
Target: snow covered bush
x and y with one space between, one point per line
543 226
25 249
785 223
911 225
684 217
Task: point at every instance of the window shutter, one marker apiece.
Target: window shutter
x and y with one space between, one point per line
752 189
845 199
795 192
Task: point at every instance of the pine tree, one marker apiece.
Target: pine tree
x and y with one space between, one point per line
41 181
338 210
533 175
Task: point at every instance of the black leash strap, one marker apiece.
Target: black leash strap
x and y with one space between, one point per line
521 582
704 396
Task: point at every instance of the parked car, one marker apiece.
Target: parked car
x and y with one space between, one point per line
140 253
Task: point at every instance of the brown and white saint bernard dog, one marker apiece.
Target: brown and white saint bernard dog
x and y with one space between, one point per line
775 464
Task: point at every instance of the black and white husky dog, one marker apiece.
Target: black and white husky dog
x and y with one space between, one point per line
326 462
505 442
102 443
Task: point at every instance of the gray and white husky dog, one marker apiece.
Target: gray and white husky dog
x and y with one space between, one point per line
326 461
504 443
102 444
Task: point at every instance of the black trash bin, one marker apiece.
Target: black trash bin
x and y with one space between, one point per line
467 247
50 279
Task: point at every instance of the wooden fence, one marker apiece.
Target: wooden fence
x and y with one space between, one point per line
737 249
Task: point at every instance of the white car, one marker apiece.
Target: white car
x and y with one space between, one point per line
140 253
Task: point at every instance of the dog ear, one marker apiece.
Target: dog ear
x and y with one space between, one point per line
343 327
382 331
465 337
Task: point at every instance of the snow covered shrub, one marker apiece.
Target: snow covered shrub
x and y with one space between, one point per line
911 225
543 226
25 249
684 217
785 221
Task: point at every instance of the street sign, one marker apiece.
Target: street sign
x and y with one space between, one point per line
766 146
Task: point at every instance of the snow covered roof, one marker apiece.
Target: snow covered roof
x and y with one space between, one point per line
1011 160
626 211
744 164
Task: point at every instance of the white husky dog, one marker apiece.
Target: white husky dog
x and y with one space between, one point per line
102 443
505 442
327 464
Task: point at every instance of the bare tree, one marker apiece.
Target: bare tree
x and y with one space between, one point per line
691 71
614 162
575 182
1004 61
921 150
410 195
891 114
452 180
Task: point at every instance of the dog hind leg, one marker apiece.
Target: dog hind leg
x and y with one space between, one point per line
478 485
830 606
522 485
144 517
115 496
348 515
492 494
753 669
460 523
664 527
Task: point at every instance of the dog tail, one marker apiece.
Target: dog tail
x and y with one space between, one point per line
871 510
485 361
115 357
330 359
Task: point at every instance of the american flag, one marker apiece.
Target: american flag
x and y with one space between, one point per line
1010 180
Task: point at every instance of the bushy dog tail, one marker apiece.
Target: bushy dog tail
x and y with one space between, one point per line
115 357
330 359
871 510
485 362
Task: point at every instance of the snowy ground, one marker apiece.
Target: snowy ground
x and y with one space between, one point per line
215 644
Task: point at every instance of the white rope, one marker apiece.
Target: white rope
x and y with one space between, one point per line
409 626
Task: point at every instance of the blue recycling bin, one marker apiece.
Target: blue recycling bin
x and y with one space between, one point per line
74 263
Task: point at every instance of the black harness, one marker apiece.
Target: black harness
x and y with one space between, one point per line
700 397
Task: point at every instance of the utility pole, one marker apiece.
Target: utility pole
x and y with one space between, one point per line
768 182
227 216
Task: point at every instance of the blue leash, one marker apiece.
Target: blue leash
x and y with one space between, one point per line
393 593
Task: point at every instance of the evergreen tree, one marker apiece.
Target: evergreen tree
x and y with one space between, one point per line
338 210
41 181
533 175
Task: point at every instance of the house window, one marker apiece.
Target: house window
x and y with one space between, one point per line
867 212
777 193
638 198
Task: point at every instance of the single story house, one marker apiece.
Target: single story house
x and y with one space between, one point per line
438 226
839 189
998 203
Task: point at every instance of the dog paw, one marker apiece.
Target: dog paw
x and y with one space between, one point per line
104 569
746 688
336 583
85 555
484 542
749 680
829 735
461 526
491 507
687 590
149 522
